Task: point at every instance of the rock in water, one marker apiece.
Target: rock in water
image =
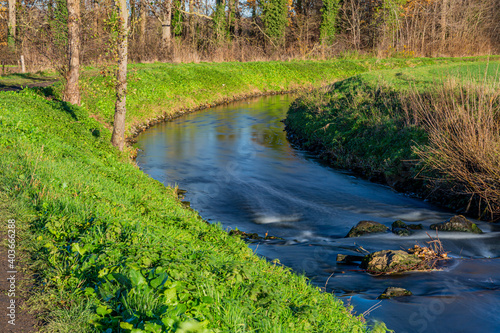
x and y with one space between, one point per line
366 227
395 292
390 261
402 229
457 223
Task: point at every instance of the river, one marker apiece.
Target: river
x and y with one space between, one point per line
238 168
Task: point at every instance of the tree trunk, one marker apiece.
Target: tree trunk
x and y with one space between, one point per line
166 31
96 17
23 65
72 90
191 22
142 24
12 23
236 17
118 137
444 23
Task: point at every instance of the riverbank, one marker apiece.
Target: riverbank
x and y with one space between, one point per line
383 126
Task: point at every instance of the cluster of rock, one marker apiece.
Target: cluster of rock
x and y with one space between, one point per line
391 261
399 261
456 223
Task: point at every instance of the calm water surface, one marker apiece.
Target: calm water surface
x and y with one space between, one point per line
238 168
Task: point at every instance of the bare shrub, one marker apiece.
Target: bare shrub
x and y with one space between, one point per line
462 121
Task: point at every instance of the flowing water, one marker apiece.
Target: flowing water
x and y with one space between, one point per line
238 168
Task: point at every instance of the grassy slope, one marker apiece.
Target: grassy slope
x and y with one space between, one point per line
358 123
115 248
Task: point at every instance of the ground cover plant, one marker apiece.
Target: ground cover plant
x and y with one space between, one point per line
394 125
15 80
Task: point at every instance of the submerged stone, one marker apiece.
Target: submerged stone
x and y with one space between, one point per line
348 259
400 228
366 227
395 292
457 223
392 261
402 231
415 226
399 225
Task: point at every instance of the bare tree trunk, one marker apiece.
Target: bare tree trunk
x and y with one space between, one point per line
444 23
23 65
12 23
230 14
72 90
191 22
142 23
236 17
118 137
166 31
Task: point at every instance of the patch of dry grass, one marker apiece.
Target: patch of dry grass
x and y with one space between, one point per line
462 121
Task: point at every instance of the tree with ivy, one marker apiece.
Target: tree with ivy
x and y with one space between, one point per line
220 20
274 17
329 17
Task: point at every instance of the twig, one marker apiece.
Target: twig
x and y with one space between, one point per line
372 308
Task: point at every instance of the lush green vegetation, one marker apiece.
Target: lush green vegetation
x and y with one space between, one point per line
365 123
24 79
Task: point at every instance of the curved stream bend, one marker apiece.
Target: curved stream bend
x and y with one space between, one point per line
239 169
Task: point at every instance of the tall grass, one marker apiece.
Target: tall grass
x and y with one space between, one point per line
462 120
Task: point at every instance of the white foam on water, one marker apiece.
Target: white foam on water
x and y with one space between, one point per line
268 219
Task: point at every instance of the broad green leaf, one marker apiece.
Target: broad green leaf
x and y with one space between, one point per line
136 278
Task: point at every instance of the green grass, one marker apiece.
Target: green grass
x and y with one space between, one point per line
425 77
359 123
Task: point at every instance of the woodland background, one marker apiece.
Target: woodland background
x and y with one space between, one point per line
251 30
